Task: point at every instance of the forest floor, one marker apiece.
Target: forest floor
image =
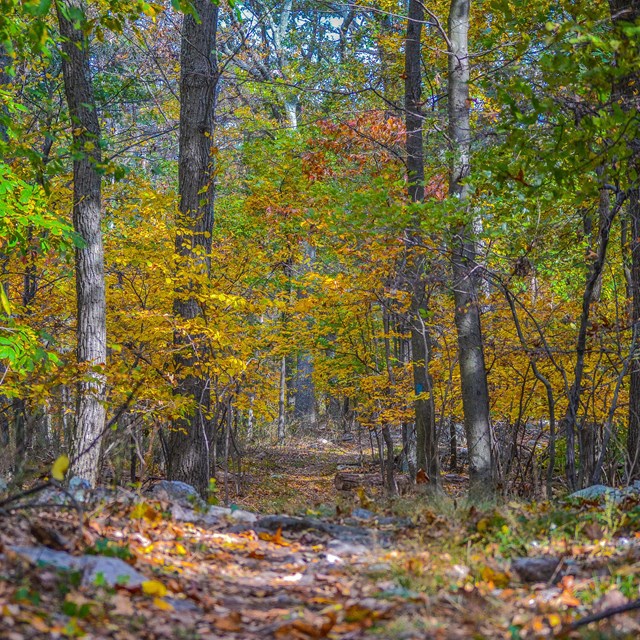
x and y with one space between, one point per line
349 567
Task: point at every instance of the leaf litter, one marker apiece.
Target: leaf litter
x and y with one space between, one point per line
409 570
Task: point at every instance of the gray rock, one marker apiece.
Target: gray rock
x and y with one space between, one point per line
341 548
182 604
598 491
295 524
79 484
180 492
240 515
53 496
541 568
111 571
211 516
362 514
4 487
186 514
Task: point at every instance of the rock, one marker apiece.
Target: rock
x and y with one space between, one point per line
111 571
598 491
540 568
362 514
294 524
52 496
76 484
80 489
4 487
246 517
180 492
183 605
212 515
340 548
186 514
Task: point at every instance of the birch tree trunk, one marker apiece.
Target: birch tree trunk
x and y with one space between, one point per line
87 215
473 376
188 446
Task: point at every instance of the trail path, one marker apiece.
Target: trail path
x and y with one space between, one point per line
353 574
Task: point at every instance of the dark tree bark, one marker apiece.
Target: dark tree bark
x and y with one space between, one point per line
304 392
625 93
473 375
426 440
189 440
87 215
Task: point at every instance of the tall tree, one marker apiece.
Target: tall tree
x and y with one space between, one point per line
426 440
473 375
189 450
87 215
625 94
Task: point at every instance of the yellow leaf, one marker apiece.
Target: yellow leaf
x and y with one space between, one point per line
554 620
154 588
159 603
144 511
60 467
4 301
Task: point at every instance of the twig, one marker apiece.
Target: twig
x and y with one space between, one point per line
607 613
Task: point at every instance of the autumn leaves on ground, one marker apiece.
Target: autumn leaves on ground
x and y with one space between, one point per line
341 566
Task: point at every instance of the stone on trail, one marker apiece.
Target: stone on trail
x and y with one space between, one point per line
298 525
341 548
176 491
79 484
186 514
362 514
111 571
541 569
212 515
597 491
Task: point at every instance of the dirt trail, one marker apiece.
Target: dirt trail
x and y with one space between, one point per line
343 572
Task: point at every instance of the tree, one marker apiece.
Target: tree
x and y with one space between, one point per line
189 441
473 375
87 215
426 439
625 94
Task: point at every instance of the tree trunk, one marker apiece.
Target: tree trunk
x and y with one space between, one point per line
188 446
87 214
473 375
282 400
425 425
304 400
624 93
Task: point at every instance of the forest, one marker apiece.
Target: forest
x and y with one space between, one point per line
319 319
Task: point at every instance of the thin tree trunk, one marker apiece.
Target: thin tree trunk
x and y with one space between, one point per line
473 375
570 419
189 452
282 400
304 400
87 214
